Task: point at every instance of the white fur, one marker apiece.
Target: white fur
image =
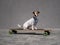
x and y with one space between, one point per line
30 22
19 26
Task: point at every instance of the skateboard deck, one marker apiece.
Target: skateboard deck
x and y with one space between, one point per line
29 31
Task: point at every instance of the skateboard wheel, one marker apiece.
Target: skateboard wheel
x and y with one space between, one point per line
10 32
46 33
14 31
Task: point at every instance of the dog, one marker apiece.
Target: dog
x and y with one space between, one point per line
31 23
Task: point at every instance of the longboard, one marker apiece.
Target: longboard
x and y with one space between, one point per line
29 31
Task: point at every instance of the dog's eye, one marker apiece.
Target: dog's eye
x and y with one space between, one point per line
38 12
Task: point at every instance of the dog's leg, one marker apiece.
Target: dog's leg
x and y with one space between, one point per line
32 27
25 28
35 27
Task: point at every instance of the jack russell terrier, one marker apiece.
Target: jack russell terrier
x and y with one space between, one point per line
31 22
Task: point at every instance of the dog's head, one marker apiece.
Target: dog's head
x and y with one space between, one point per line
36 13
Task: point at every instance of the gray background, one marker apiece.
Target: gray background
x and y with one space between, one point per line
13 12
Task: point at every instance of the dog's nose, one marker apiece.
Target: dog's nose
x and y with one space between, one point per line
36 15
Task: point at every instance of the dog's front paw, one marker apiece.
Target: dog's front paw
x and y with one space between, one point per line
36 28
32 28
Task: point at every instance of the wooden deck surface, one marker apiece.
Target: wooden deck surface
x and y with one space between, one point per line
20 30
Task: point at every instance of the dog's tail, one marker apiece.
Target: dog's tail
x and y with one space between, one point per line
19 25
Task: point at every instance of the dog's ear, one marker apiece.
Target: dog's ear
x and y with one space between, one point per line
38 12
33 12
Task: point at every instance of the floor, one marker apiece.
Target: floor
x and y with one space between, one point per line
22 39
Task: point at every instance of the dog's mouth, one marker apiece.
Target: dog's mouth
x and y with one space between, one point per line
35 15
